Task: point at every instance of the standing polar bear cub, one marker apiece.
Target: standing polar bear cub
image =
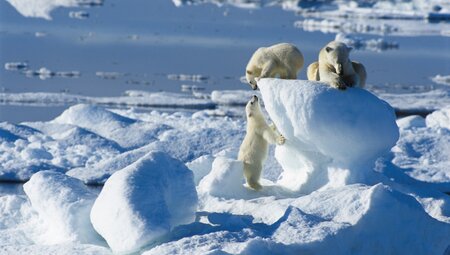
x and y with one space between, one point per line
254 148
283 59
335 67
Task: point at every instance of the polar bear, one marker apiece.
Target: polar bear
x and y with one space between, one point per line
335 67
283 60
254 147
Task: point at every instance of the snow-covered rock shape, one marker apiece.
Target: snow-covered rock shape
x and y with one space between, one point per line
333 137
63 204
144 201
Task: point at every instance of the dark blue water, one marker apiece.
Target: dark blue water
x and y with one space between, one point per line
144 41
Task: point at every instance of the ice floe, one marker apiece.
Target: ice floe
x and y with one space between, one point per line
43 8
16 66
358 43
441 79
188 77
79 14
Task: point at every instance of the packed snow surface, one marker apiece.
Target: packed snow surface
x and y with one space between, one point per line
346 185
424 148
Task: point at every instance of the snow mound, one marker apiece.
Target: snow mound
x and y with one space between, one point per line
200 167
128 133
226 179
144 201
63 203
333 137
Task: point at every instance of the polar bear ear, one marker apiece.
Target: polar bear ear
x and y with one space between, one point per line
249 115
328 49
249 72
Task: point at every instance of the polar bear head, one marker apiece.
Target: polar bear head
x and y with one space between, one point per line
250 76
253 109
337 54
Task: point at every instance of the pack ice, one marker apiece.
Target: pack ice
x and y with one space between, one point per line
342 187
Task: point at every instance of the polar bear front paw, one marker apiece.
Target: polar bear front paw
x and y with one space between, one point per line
339 84
281 140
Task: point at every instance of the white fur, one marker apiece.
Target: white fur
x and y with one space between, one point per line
254 148
283 60
335 67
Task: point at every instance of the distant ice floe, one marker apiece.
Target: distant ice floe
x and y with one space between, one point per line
131 98
40 34
16 66
373 17
359 43
43 8
79 14
375 26
441 79
108 75
191 88
44 73
188 77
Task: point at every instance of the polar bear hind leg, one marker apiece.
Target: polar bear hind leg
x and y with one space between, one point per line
252 173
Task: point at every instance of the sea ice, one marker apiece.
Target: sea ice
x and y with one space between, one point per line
144 201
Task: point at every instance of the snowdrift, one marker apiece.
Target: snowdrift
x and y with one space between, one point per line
333 137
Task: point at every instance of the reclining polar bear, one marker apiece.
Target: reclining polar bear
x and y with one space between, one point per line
335 68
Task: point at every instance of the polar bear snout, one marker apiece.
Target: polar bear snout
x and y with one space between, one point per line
254 99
